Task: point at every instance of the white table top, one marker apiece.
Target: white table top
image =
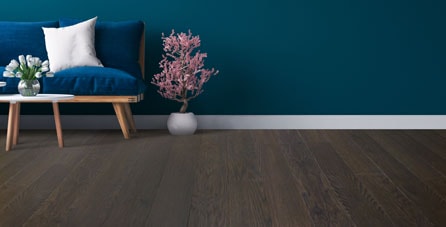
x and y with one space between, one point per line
13 98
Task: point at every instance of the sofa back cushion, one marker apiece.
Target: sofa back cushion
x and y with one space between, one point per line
117 43
11 83
18 38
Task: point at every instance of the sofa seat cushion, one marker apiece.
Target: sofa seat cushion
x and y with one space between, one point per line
90 80
18 38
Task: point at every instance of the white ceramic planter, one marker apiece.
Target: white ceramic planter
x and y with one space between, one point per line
182 123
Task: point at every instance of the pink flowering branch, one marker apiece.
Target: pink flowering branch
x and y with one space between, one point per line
182 76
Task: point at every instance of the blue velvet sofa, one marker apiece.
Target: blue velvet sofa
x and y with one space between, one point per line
119 46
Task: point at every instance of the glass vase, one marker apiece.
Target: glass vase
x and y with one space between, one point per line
29 87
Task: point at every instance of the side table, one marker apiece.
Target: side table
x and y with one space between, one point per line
14 114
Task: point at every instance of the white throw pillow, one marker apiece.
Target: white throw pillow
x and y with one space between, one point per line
71 46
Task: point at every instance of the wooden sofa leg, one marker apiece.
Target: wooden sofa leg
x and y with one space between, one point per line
120 114
129 117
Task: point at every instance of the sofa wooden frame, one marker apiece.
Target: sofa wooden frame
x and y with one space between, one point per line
121 103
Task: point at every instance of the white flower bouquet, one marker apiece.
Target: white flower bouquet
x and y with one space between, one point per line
29 68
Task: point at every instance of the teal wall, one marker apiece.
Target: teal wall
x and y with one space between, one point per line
287 56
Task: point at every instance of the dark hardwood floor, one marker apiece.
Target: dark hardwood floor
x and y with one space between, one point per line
225 178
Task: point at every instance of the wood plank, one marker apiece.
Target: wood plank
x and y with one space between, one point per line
18 175
24 203
432 140
175 189
222 178
209 205
7 158
396 205
441 133
420 150
134 202
22 155
319 196
427 200
436 144
426 165
280 186
246 199
84 172
356 198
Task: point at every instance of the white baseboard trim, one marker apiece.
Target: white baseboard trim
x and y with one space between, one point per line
242 121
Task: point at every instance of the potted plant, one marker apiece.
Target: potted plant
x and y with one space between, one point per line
182 78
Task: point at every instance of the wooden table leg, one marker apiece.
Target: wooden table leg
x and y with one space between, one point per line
16 124
58 125
11 123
